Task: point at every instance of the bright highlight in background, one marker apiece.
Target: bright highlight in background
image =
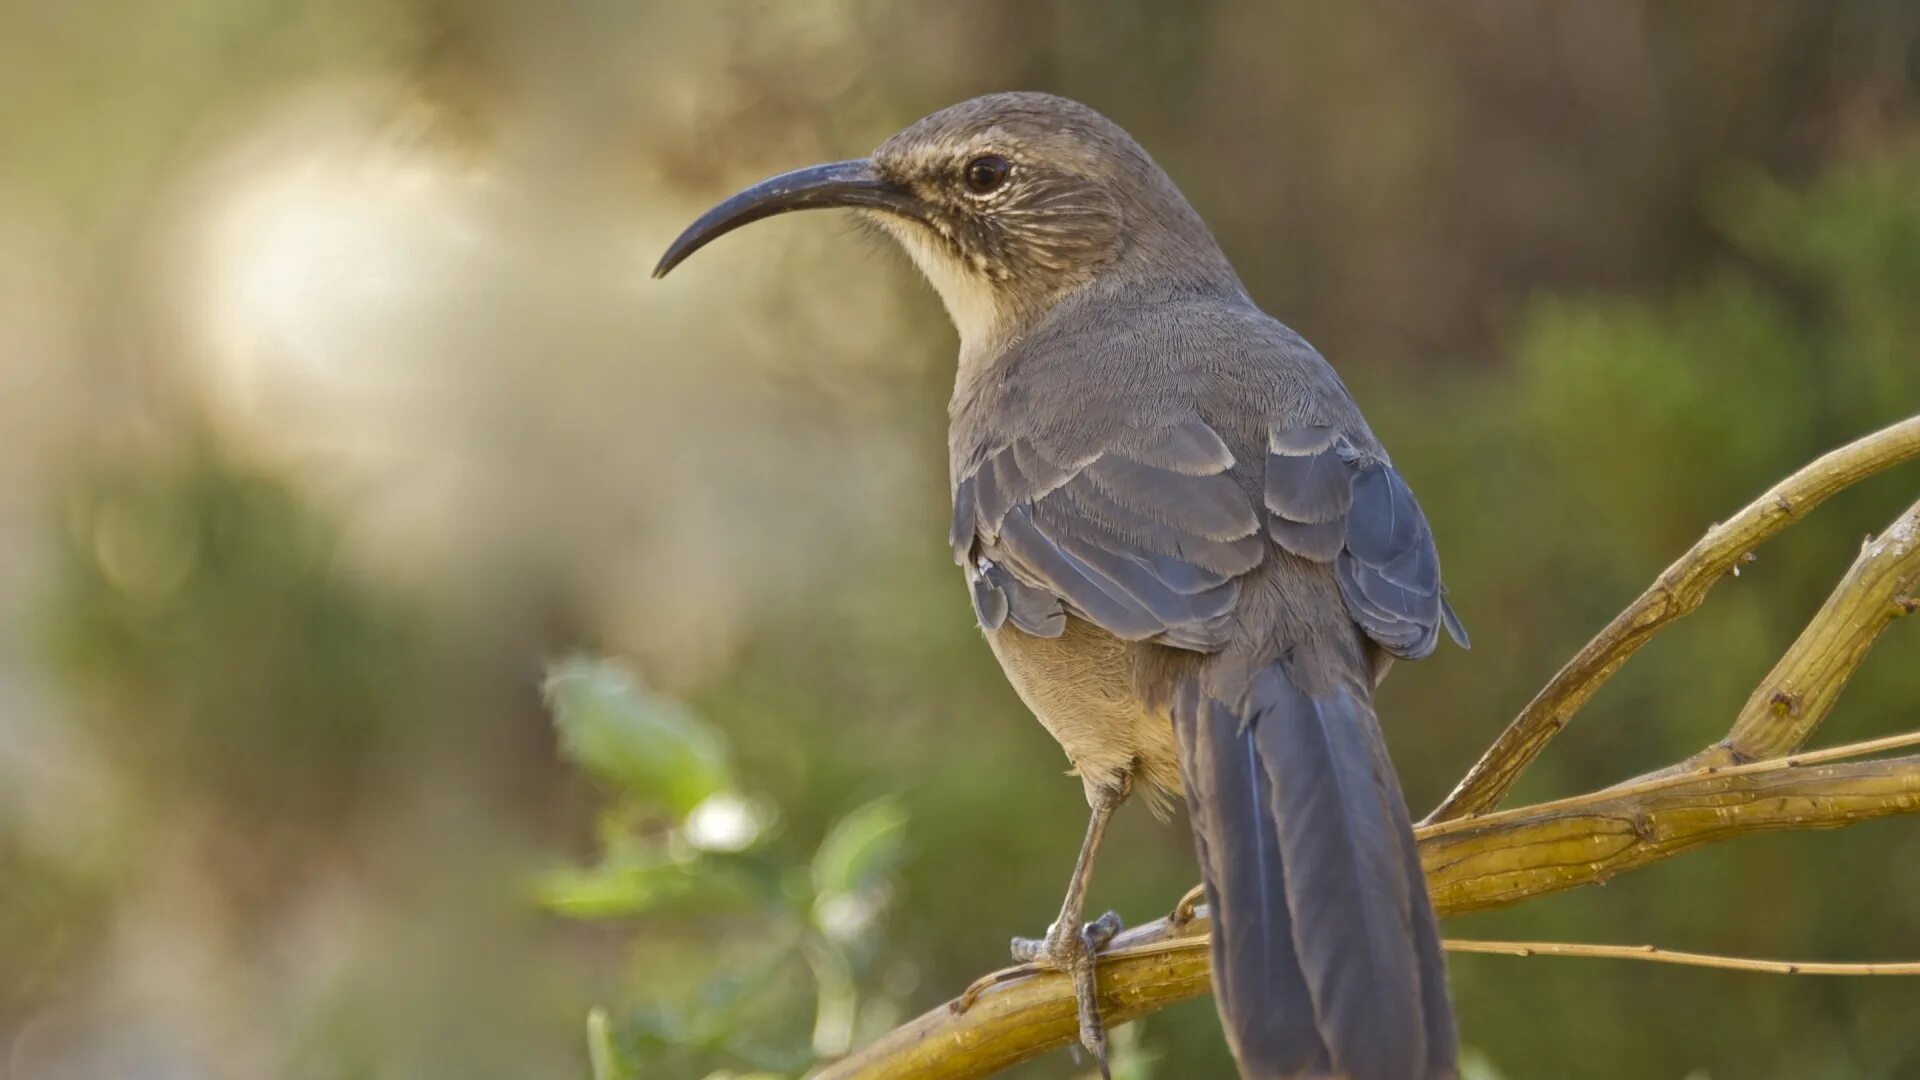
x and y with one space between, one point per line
321 244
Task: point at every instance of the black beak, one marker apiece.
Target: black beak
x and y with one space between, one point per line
843 184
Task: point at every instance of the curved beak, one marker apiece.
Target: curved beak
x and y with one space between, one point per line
841 184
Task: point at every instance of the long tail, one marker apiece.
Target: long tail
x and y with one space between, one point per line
1326 954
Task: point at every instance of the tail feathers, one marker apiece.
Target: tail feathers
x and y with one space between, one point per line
1327 957
1257 979
1347 881
1443 1041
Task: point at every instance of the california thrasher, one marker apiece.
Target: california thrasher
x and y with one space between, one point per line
1190 555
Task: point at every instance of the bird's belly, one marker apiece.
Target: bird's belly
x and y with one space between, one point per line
1081 686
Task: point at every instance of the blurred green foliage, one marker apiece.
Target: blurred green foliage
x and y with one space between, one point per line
188 598
51 916
640 743
683 851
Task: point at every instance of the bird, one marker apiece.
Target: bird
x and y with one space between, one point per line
1191 556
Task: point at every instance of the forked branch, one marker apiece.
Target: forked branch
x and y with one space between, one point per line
1678 591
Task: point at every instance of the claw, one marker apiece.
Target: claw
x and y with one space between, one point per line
1183 912
987 982
1101 931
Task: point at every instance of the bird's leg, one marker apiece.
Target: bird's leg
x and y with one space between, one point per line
1071 947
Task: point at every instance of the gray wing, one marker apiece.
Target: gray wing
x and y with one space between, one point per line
1145 537
1332 503
1148 537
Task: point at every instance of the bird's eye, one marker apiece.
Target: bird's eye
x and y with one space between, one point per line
985 174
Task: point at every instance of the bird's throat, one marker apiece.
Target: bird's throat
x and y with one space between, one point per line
979 312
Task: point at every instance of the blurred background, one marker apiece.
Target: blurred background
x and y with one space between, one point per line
336 406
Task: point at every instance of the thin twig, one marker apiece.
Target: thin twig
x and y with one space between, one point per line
1695 765
1678 591
1658 955
1854 750
1654 783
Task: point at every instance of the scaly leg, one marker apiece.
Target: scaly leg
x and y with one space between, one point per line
1072 948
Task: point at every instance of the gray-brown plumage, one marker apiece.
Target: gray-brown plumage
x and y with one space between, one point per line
1189 553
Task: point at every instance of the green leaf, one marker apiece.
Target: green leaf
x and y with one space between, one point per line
861 848
647 745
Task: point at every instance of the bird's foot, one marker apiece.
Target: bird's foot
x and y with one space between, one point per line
1031 958
1063 947
1076 952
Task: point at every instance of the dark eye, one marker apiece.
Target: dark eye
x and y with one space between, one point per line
985 174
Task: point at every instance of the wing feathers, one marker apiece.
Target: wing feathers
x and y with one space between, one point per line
1188 447
1319 542
1329 503
1146 540
1212 507
1102 600
1309 488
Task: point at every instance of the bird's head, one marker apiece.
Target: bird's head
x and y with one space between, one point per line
1006 202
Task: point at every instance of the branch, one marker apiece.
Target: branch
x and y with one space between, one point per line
1672 956
1679 590
1472 863
1500 859
1802 688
